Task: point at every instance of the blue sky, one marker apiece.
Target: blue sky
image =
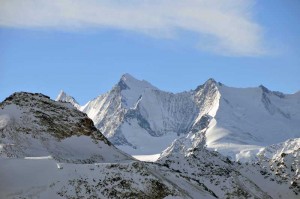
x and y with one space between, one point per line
85 47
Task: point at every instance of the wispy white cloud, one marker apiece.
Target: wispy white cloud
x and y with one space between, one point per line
226 25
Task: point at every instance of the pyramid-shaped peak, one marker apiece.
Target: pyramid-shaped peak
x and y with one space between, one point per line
264 89
127 77
127 81
64 97
211 81
209 84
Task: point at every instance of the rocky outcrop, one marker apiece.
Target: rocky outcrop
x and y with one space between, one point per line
33 125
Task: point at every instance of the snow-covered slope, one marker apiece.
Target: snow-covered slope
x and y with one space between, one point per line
44 179
33 125
137 116
251 118
51 150
143 120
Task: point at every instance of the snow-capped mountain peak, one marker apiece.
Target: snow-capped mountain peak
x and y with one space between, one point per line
267 91
205 130
61 96
239 121
127 81
64 97
209 84
131 89
211 81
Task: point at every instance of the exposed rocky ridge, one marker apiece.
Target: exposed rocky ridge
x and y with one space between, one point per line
35 125
60 120
283 161
107 118
266 178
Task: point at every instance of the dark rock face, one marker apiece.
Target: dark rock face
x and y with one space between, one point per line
122 85
271 108
202 123
264 89
276 93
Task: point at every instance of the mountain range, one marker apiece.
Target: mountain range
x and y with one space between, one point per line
51 150
143 121
211 142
